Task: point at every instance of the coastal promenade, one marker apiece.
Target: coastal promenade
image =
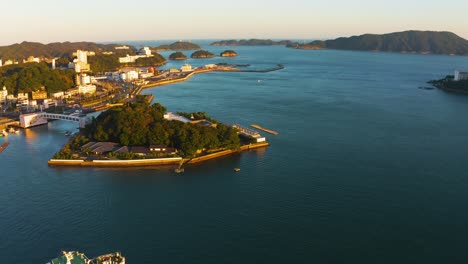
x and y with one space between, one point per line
152 162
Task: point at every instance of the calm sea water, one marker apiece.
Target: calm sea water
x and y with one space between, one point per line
367 168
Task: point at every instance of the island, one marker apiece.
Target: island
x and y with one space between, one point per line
179 45
138 134
77 257
202 54
252 42
423 42
228 53
177 56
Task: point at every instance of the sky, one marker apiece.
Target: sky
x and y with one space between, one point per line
117 20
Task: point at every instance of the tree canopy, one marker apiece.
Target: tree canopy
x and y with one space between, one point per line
139 123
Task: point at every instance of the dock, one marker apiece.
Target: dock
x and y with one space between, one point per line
4 146
264 129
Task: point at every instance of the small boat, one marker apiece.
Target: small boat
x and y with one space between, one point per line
179 170
236 169
67 133
4 146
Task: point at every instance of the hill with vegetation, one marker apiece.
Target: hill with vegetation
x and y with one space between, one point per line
180 45
177 56
202 54
30 77
228 53
105 63
142 124
252 42
25 49
432 42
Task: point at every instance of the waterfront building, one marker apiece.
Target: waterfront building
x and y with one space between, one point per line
461 76
186 68
87 89
144 75
129 75
3 94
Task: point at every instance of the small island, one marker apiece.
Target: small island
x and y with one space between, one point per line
179 45
177 56
140 134
202 54
228 53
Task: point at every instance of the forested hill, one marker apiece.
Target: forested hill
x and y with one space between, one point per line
408 41
252 42
57 49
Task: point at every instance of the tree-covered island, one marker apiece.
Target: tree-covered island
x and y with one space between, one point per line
177 56
228 53
202 54
138 125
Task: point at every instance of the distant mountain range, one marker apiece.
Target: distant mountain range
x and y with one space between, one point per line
58 49
432 42
252 42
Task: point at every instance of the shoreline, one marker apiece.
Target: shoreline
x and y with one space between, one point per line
152 162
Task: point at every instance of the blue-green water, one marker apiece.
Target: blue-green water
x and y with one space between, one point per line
367 168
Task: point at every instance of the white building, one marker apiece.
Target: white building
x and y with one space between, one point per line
145 52
23 96
58 95
129 76
460 76
129 59
1 63
186 68
3 94
81 62
87 89
144 75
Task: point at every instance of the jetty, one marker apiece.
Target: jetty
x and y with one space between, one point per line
264 129
4 146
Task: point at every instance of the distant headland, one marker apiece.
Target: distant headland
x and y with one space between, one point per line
423 42
252 42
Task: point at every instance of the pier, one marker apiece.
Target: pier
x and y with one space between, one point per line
246 132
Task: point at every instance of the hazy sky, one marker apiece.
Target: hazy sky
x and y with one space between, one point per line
115 20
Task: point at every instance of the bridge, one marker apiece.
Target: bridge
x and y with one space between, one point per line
35 119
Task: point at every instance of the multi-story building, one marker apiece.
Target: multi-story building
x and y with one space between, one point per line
3 94
87 89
